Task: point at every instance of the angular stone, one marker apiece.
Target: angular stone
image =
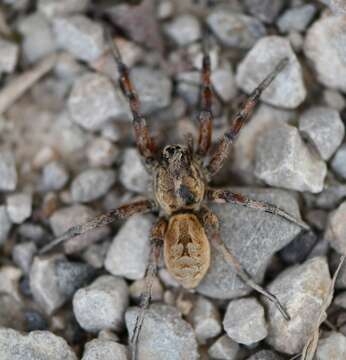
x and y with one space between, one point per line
253 236
288 89
324 128
301 289
102 152
296 18
23 254
8 171
188 87
52 8
338 164
334 99
164 334
333 346
336 229
54 176
102 304
138 288
19 206
5 224
337 6
105 350
184 29
283 160
224 84
8 56
11 314
224 348
265 10
265 355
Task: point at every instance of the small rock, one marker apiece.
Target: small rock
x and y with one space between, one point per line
164 334
132 172
102 304
9 281
265 355
54 176
235 30
265 10
331 347
334 99
184 29
102 152
338 6
297 18
296 40
319 125
336 229
283 160
92 184
317 218
224 84
35 345
188 86
5 224
244 321
340 300
19 207
129 253
224 348
338 163
327 57
11 314
94 100
23 254
301 289
287 90
8 171
52 8
31 231
35 321
68 68
95 254
8 56
138 288
80 36
105 350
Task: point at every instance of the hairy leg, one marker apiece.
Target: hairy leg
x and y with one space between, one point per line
211 224
156 238
222 149
120 213
226 196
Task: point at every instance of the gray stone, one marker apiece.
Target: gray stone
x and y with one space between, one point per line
138 288
129 253
31 231
95 254
327 57
164 334
102 304
301 289
19 207
234 29
23 254
94 100
92 184
288 89
296 40
205 319
104 350
336 229
224 84
253 236
184 29
283 160
224 348
8 56
265 10
9 281
52 8
8 171
265 355
80 36
296 18
340 300
324 128
5 224
33 346
337 6
67 67
188 86
133 174
102 152
244 321
334 99
11 313
338 164
333 346
54 176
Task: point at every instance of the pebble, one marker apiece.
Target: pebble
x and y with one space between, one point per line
301 289
244 321
54 176
138 288
265 10
35 345
9 52
102 304
296 19
327 57
8 171
133 175
35 321
288 89
80 36
253 236
23 254
31 231
224 348
5 225
104 350
340 300
184 29
92 184
334 99
164 334
338 163
283 160
11 314
224 84
101 152
234 29
52 8
19 207
337 6
336 229
333 346
9 281
188 86
128 254
320 124
265 355
95 254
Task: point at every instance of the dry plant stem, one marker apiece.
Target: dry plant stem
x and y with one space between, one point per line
19 85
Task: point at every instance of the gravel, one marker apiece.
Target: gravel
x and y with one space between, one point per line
101 152
224 84
224 348
332 346
264 10
184 29
337 6
105 350
54 176
265 355
5 225
297 18
336 229
8 56
52 8
334 99
338 164
19 207
8 171
23 255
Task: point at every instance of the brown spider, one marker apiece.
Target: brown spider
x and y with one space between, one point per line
186 227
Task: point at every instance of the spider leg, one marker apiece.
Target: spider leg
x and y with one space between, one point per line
222 149
157 238
226 196
121 212
211 224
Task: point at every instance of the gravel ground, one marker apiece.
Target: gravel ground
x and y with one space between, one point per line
67 153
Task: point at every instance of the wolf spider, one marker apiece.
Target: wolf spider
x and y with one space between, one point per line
181 174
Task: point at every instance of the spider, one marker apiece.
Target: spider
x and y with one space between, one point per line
186 227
